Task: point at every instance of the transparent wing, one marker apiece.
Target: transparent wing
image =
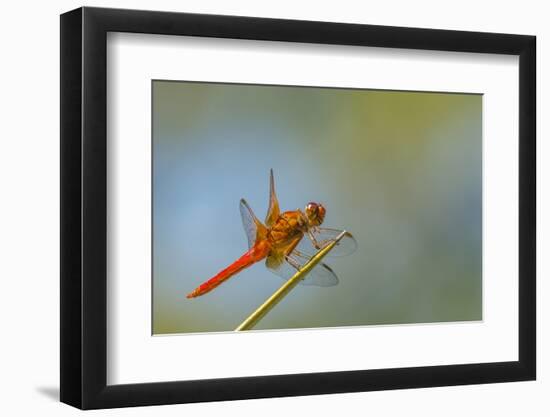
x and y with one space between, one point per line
321 276
252 226
273 211
318 237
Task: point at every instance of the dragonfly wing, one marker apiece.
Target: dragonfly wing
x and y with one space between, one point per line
321 276
252 226
323 236
274 211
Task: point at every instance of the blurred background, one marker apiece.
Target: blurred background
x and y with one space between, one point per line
400 170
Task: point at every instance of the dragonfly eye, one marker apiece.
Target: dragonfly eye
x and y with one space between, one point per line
315 213
321 211
311 207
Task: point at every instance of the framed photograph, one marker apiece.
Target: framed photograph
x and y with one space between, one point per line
257 207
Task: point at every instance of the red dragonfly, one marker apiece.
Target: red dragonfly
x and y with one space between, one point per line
282 242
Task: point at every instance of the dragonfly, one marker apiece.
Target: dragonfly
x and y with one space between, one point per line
287 241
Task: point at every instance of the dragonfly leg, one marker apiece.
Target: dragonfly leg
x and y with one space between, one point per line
313 240
299 253
292 262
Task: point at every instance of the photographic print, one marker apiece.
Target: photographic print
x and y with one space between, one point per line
252 182
364 192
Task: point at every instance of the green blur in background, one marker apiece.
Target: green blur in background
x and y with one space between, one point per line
400 170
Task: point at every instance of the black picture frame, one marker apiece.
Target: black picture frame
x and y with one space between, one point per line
84 207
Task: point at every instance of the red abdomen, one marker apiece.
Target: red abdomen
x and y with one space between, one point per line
256 253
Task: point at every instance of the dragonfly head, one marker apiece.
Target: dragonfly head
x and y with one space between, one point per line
315 213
